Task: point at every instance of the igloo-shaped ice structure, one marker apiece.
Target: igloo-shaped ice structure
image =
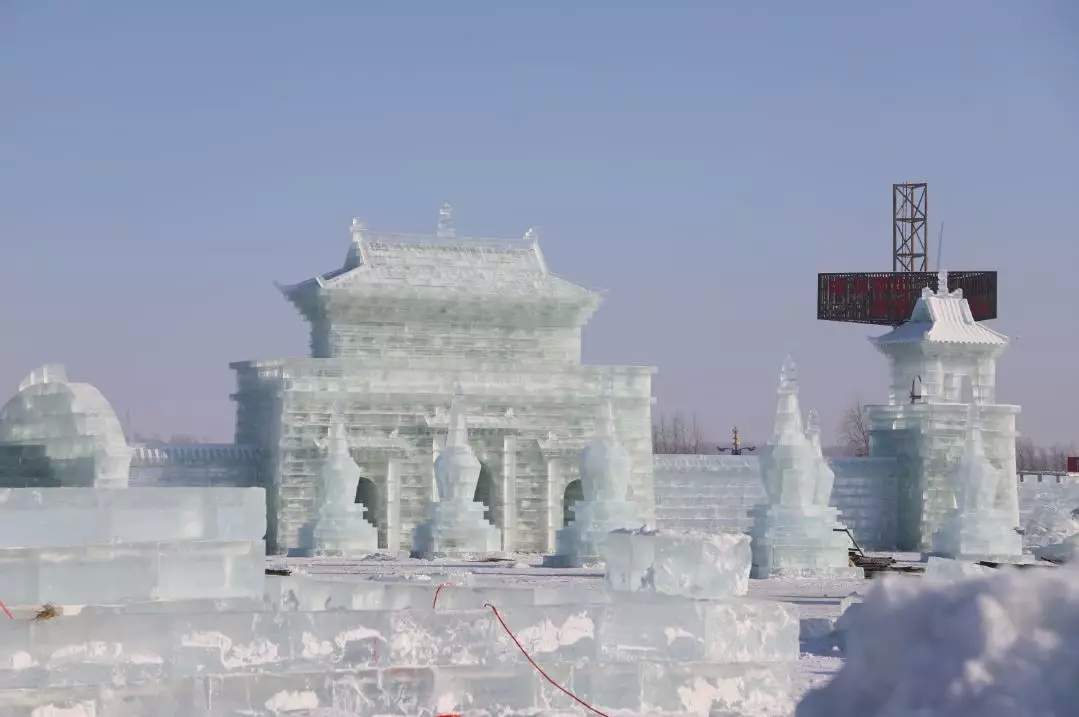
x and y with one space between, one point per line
72 425
979 526
454 523
339 527
795 534
605 467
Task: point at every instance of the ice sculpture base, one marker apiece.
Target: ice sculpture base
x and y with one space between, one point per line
985 535
581 542
455 529
692 565
340 532
800 542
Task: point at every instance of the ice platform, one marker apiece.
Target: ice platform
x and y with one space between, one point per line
106 574
52 517
643 653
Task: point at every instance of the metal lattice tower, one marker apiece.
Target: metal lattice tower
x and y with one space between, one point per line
910 241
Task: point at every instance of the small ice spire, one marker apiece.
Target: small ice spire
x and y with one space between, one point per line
813 425
358 227
457 433
532 235
788 376
942 283
445 221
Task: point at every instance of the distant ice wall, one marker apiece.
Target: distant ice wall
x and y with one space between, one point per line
208 465
714 494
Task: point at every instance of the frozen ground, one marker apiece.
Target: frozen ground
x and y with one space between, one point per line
814 598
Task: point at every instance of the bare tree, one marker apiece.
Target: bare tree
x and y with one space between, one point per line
676 435
854 429
1030 457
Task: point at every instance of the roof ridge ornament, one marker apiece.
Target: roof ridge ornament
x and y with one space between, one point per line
445 221
942 283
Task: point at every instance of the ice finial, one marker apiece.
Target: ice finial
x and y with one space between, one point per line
605 421
457 433
445 221
942 283
788 376
358 227
532 235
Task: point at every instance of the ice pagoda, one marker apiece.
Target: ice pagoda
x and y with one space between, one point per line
979 526
404 319
797 533
605 469
941 362
454 524
339 527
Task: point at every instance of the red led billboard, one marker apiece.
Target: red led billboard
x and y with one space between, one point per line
887 298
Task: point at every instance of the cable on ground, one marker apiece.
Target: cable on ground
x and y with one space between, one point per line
539 669
438 590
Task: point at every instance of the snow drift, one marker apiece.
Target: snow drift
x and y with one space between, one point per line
1006 645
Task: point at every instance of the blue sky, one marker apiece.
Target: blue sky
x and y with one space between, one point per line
164 163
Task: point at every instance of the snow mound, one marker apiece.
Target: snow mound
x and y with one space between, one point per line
1005 645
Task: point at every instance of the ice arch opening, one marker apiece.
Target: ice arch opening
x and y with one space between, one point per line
574 492
367 495
484 487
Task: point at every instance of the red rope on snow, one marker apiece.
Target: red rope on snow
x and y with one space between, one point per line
6 611
539 669
438 590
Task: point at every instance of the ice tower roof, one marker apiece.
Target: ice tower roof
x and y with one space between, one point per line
443 265
942 317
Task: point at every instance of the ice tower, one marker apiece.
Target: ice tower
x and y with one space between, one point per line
605 468
454 524
794 533
339 527
941 362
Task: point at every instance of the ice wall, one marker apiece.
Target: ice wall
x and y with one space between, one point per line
206 465
714 493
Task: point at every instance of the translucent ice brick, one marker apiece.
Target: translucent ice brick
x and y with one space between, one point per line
695 565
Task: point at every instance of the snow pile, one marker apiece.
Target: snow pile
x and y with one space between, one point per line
1005 645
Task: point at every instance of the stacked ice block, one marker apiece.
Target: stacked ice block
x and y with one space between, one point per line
85 546
342 645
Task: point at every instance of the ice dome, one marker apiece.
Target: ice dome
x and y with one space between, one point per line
82 439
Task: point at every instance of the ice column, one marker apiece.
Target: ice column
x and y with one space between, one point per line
605 475
794 534
979 527
339 527
454 523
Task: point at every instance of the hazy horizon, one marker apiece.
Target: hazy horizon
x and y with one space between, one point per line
698 163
